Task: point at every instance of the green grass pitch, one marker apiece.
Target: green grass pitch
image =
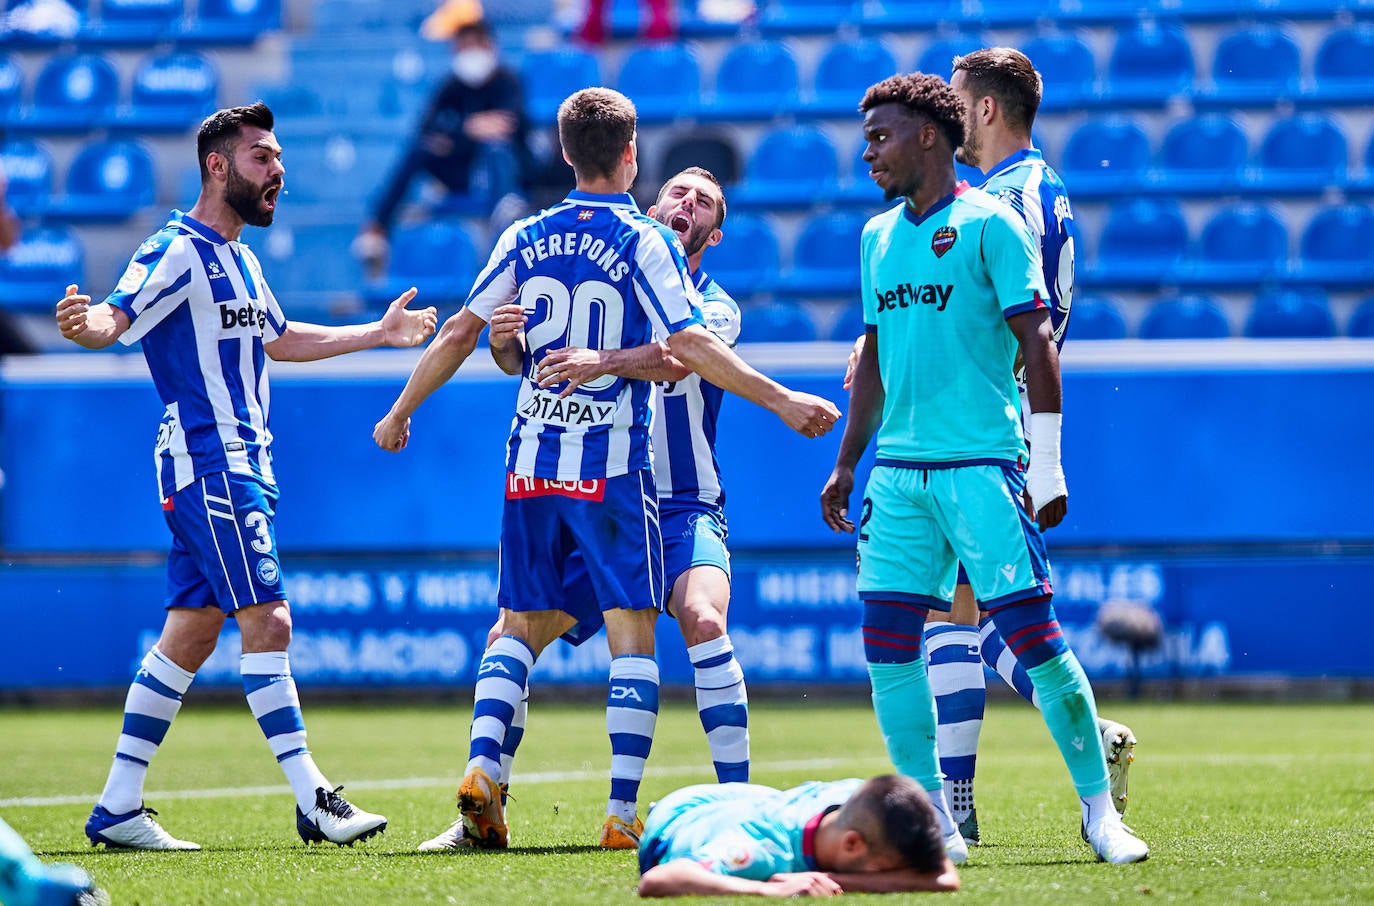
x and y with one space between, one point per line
1240 803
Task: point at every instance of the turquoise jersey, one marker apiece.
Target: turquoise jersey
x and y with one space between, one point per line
938 290
741 829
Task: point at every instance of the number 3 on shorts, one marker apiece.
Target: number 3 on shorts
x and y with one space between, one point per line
258 524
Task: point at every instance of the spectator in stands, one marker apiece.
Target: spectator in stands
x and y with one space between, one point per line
472 138
659 28
11 339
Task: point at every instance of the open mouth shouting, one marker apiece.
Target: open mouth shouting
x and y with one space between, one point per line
269 196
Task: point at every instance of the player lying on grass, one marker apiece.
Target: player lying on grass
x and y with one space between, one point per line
818 839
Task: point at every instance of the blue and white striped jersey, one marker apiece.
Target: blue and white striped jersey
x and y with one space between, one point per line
1037 194
685 465
592 272
201 308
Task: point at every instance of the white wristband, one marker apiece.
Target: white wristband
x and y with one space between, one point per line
1045 474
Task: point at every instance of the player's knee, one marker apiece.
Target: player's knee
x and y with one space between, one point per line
701 622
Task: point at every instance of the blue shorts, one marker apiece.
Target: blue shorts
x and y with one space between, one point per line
581 546
694 534
224 545
920 525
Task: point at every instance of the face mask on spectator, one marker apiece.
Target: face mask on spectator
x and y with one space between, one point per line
474 66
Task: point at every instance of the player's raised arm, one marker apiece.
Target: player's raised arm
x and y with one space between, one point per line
400 327
866 398
93 328
1045 481
450 349
703 352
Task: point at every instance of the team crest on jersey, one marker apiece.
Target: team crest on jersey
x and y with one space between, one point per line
943 240
585 215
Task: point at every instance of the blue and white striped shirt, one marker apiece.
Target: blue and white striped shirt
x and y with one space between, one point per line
592 272
201 308
1037 194
685 465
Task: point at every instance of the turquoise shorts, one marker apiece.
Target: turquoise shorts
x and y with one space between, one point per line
918 524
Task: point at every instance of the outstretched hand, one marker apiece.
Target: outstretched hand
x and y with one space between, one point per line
801 884
808 415
404 328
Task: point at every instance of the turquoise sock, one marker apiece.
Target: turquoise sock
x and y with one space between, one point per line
906 717
1066 703
20 870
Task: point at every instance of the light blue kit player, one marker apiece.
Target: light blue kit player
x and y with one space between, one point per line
952 288
594 273
687 476
196 298
821 839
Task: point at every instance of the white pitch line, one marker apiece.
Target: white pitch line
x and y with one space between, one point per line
406 783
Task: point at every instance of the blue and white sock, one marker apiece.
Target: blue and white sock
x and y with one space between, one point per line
631 714
273 700
723 705
999 657
956 679
502 677
154 699
513 737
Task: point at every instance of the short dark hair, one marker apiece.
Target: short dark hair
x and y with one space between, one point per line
898 812
1007 75
704 174
220 128
923 93
594 126
477 29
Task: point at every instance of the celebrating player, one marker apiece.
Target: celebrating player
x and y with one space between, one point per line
818 839
595 273
196 298
941 274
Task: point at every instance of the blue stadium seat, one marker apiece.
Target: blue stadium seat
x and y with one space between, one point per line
789 168
1362 320
755 81
664 80
1109 156
1290 313
788 17
1189 317
1149 65
1204 155
939 54
778 322
42 24
338 170
34 271
825 260
549 76
849 324
1095 318
1067 67
1344 67
746 264
1254 66
308 265
11 89
291 102
28 168
135 22
230 22
1241 244
1337 247
73 94
846 71
108 180
1141 243
437 258
172 92
1302 153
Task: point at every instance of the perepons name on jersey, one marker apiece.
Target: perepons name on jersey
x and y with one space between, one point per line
907 295
547 407
585 244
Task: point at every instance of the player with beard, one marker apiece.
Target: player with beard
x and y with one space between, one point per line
691 499
196 299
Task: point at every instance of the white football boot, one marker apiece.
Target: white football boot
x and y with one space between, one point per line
337 820
1118 744
1114 842
132 830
